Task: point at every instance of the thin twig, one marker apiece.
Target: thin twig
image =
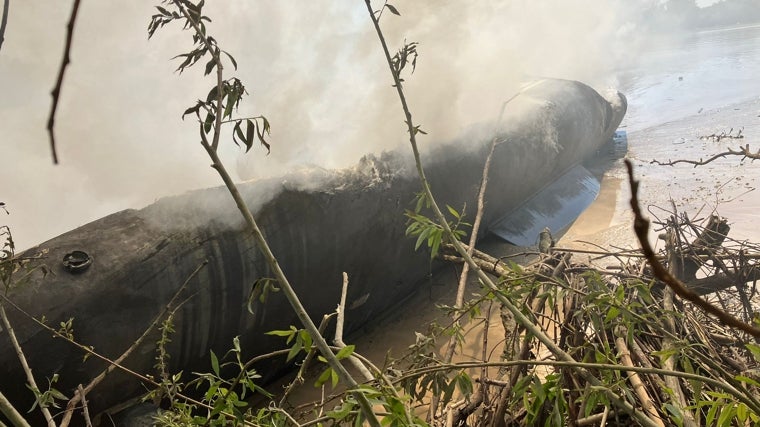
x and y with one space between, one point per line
641 227
339 331
97 355
742 151
25 365
4 22
78 395
59 81
299 379
85 410
263 245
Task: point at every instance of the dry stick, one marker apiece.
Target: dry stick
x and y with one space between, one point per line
643 359
641 228
85 410
668 343
3 22
78 395
744 397
14 417
25 365
594 419
261 241
59 81
299 379
466 268
742 151
338 341
638 386
518 315
473 237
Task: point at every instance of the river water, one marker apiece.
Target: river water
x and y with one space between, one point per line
703 84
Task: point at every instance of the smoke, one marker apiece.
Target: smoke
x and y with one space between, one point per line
315 69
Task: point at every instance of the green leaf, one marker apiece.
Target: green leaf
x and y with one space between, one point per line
323 377
237 133
211 97
57 394
742 413
214 362
192 110
305 338
231 99
334 377
249 132
612 314
345 352
208 123
295 350
421 238
747 380
281 333
234 63
392 9
210 67
435 243
453 211
726 414
755 350
710 417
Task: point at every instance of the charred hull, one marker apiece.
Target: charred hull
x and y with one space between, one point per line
352 221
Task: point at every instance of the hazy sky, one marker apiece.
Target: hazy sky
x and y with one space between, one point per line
313 68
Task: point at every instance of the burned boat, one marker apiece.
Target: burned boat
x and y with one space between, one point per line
114 275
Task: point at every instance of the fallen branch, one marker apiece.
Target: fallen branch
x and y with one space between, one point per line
742 151
641 228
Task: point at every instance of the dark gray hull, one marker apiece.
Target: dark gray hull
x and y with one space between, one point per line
318 223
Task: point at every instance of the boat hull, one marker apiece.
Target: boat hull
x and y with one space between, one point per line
318 223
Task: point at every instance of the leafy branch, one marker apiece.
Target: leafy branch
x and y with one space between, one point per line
519 316
193 17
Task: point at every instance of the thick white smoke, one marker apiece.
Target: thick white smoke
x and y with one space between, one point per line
313 68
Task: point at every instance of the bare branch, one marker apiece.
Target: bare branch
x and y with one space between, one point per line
59 81
641 227
742 151
339 331
85 410
3 22
25 365
13 415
